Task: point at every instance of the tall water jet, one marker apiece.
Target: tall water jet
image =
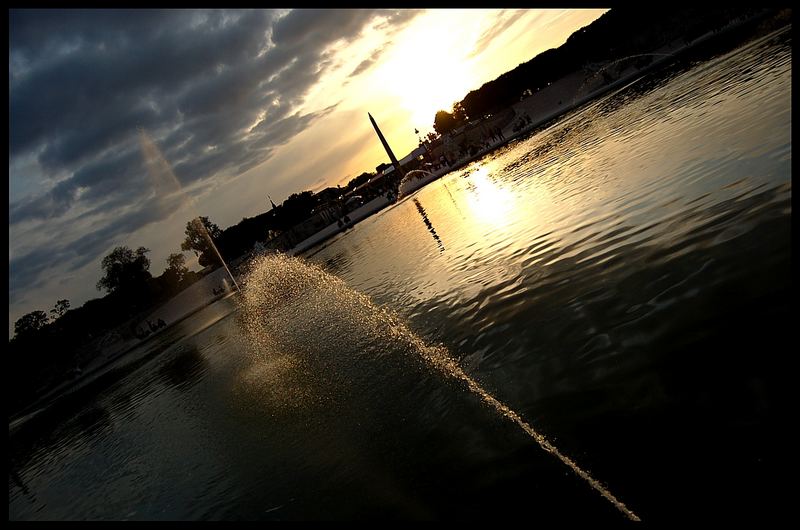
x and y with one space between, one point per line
300 310
412 181
164 178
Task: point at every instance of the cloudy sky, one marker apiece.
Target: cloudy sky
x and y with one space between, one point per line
240 104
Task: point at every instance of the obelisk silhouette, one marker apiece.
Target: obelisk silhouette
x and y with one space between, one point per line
395 163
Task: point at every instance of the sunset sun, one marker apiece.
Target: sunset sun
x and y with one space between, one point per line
428 69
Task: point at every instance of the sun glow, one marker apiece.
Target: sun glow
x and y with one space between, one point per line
428 69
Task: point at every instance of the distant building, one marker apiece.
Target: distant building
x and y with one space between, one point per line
410 162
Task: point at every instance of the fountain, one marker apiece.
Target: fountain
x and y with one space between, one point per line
412 181
165 180
286 308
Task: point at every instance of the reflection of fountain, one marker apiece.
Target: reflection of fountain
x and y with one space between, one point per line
166 181
413 180
310 316
428 223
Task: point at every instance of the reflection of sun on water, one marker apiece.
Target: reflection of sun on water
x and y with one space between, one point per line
489 202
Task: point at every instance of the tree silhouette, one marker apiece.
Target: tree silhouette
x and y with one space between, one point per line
459 112
176 270
61 307
296 208
359 180
201 235
444 122
27 324
177 262
124 269
617 34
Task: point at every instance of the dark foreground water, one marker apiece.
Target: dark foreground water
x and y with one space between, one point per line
619 280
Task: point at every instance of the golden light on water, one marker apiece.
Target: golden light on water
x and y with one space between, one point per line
489 202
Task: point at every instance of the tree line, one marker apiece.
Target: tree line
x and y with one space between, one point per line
620 33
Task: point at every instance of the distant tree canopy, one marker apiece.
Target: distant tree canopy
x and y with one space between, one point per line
459 112
176 268
61 307
296 209
444 122
124 269
331 193
201 235
27 324
621 33
177 262
359 180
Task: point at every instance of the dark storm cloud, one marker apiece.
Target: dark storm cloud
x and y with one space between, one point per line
312 27
218 91
92 135
26 271
99 80
112 175
207 65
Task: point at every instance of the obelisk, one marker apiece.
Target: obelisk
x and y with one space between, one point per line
395 163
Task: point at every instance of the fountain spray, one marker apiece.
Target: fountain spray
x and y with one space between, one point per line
163 177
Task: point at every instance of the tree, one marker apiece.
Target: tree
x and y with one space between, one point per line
359 180
200 237
27 324
177 262
60 308
296 208
176 268
444 122
124 269
459 112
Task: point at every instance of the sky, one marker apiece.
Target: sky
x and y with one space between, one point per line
239 105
